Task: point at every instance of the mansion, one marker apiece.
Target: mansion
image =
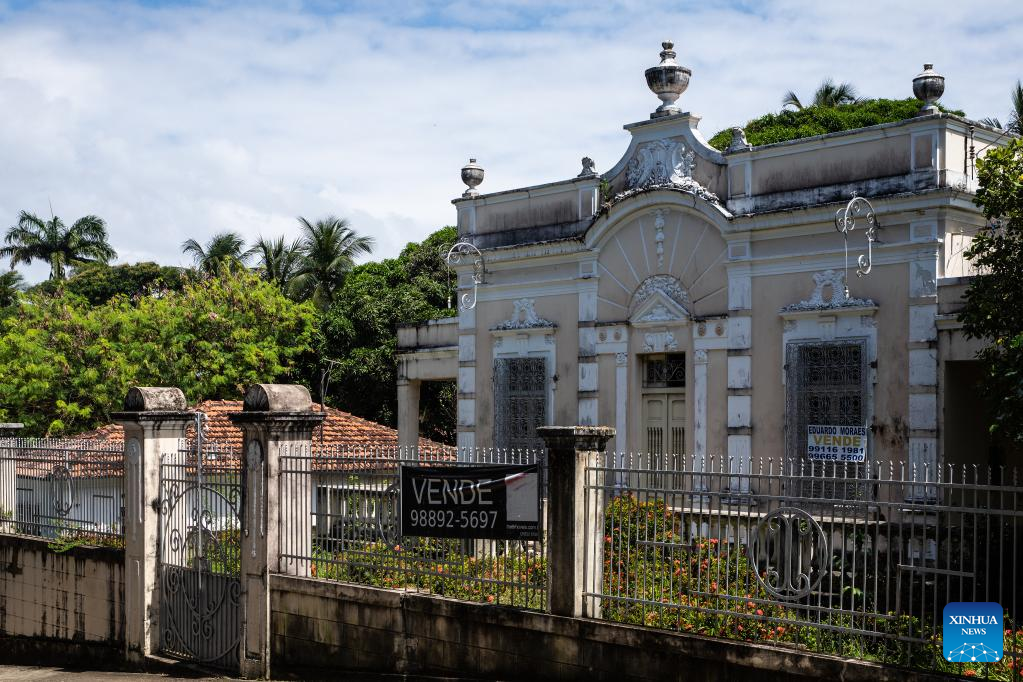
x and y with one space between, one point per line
707 303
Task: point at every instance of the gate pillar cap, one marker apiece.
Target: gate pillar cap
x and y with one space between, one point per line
575 437
277 398
154 399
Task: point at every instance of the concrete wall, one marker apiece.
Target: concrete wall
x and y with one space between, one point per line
77 595
321 625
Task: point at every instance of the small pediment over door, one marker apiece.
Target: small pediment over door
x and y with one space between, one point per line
659 309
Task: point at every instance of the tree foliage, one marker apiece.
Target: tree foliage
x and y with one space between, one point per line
66 364
329 249
359 332
97 283
828 94
223 251
53 242
997 251
818 120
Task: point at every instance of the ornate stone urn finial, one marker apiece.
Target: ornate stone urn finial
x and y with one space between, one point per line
929 86
472 175
668 81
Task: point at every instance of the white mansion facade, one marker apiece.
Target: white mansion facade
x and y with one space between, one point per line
695 299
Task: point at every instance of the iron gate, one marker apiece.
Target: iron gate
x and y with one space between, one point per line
200 555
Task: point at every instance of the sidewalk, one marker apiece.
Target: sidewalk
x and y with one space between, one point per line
57 674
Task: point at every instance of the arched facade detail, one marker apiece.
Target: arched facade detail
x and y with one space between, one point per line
664 245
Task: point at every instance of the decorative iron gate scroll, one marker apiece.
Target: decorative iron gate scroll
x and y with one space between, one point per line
200 555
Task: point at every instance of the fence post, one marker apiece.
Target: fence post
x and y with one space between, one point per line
154 421
575 524
8 483
277 420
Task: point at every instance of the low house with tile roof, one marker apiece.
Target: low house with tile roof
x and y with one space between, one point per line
348 454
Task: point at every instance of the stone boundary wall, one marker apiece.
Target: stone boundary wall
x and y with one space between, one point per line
320 625
74 596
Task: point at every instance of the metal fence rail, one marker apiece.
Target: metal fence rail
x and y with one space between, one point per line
782 552
62 490
350 497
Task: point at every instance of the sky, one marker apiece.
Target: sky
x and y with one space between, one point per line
178 120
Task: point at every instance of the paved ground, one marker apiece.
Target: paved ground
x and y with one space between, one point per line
57 673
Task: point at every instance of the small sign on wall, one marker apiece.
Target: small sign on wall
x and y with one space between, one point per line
482 502
836 443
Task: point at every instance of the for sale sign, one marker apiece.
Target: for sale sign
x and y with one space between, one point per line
484 502
836 443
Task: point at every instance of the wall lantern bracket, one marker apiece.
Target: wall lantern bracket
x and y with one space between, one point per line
466 251
858 208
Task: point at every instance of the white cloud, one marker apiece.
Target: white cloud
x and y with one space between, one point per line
179 121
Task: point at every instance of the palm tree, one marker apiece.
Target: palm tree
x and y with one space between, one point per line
1015 125
828 94
278 261
11 284
223 250
329 250
53 242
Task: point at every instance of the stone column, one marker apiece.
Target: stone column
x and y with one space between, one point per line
574 523
277 422
8 482
154 421
408 413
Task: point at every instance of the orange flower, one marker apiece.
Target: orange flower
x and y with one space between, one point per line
490 598
760 612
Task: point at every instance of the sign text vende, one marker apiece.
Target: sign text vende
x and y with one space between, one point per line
834 443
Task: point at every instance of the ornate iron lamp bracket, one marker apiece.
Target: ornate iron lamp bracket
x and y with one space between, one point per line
454 258
845 222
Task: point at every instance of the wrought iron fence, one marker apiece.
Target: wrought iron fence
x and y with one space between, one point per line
350 497
63 490
741 550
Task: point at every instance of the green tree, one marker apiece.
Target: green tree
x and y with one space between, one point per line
55 243
828 94
817 120
329 249
11 284
359 331
1015 125
65 364
223 251
97 283
278 260
997 252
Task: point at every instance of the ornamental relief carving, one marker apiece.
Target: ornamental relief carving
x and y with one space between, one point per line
524 317
663 164
832 281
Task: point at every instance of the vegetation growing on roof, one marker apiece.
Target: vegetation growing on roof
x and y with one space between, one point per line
819 120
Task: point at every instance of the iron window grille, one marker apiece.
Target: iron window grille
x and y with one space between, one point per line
826 383
520 401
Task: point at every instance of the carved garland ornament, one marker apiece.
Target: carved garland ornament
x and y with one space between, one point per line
524 317
665 164
822 280
664 284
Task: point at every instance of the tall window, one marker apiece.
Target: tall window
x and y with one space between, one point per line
825 385
520 401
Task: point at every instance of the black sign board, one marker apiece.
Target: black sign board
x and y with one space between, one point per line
499 502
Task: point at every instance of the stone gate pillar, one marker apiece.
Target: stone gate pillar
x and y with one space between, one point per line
277 422
575 528
154 421
8 482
